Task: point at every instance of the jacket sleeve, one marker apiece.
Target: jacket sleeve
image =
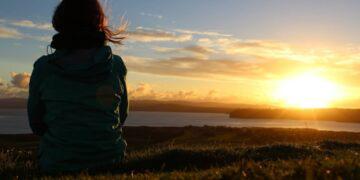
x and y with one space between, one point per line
35 107
124 104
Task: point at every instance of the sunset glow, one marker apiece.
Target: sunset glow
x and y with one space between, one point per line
307 91
235 57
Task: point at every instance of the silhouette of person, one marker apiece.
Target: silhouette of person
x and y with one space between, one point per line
77 97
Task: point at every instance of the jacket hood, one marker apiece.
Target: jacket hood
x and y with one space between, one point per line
88 65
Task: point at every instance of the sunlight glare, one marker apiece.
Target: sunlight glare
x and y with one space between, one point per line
307 91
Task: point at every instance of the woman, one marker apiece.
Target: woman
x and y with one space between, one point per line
77 97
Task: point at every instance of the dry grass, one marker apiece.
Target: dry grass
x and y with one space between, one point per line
208 153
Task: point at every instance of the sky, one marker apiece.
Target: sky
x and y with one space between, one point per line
230 51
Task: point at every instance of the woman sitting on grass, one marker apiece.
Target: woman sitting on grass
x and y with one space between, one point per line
78 98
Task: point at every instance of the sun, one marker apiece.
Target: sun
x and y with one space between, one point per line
307 91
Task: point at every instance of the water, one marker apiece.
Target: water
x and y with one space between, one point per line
15 121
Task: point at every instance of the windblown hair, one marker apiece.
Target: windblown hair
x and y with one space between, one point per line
76 15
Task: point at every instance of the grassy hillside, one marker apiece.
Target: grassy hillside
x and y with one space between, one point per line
209 153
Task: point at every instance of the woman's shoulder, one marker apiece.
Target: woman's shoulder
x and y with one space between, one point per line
41 65
41 62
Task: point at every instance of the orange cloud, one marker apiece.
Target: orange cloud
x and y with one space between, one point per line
18 87
193 50
215 68
27 24
31 24
199 49
204 33
20 80
152 35
261 49
10 33
11 92
144 91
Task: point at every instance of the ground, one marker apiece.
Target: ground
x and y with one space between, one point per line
208 153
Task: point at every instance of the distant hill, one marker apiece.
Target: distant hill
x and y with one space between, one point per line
151 105
13 103
183 106
343 115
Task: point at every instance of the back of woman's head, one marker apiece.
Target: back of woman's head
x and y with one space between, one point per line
79 15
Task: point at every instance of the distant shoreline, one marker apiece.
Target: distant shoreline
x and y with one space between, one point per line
333 115
325 114
236 111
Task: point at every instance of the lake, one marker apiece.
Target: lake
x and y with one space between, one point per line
15 121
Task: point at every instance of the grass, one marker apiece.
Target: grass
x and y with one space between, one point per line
208 153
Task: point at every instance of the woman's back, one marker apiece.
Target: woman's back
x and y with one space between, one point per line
84 96
77 96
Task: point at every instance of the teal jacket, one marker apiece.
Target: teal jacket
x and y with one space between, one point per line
78 104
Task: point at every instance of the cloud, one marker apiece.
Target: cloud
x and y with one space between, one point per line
27 24
13 92
20 80
193 67
142 88
155 35
228 57
164 49
2 83
339 67
152 15
204 33
31 24
257 60
17 87
145 91
10 33
199 49
41 38
193 50
261 49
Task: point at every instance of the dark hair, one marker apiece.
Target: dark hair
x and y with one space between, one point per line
74 15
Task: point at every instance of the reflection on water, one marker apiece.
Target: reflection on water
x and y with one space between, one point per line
15 121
